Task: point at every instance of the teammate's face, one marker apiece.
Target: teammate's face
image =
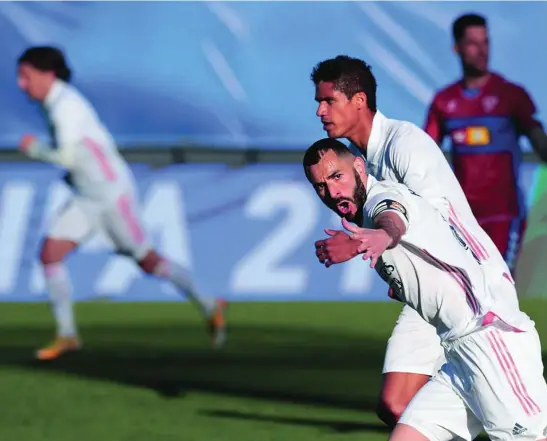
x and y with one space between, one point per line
34 82
474 49
338 182
338 114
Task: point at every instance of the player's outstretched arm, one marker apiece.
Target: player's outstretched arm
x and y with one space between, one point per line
388 230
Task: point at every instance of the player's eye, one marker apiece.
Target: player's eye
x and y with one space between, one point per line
338 176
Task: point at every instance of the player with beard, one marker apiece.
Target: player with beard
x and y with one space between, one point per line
493 375
345 90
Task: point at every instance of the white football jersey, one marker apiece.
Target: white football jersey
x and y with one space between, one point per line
400 151
433 269
83 146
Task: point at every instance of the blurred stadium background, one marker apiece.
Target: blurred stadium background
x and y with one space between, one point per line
213 106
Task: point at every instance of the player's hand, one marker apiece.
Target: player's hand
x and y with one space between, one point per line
372 242
336 249
26 142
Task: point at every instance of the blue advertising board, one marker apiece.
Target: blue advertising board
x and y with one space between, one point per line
246 234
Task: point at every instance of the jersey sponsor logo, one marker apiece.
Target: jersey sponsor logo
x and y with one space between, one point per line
473 136
389 205
489 103
386 272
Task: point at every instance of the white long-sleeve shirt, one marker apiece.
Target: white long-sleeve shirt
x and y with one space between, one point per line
434 270
400 151
82 145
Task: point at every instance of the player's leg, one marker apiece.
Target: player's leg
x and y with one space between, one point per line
212 309
499 375
436 413
122 223
507 235
413 355
69 229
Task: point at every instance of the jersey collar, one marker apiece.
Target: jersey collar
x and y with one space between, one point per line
376 139
53 95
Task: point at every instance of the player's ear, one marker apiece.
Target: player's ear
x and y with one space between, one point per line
456 49
360 100
359 165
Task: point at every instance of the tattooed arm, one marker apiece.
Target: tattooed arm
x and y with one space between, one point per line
392 224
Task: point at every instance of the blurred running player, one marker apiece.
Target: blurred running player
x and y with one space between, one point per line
345 90
493 375
104 196
484 115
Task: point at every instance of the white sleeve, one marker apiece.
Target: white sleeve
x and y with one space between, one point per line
391 201
66 120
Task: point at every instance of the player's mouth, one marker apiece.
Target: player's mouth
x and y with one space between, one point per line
327 125
344 207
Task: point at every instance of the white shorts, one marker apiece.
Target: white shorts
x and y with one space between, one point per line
119 221
414 346
493 379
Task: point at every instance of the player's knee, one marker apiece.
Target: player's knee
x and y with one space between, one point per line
150 262
55 250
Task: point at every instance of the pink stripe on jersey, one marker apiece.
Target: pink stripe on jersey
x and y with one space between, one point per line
130 218
473 243
511 372
99 155
461 279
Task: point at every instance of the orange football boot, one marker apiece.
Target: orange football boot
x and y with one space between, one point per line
60 346
217 323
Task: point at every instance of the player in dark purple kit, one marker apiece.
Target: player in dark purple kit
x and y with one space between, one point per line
484 115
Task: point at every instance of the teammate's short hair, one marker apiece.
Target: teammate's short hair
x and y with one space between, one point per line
47 59
349 75
466 21
318 149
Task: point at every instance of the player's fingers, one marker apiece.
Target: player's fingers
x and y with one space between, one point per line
373 261
331 232
363 245
319 244
349 226
321 255
367 255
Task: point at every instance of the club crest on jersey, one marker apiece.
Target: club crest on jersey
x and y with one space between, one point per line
489 103
451 106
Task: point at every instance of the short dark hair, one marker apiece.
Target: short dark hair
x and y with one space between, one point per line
318 149
466 21
45 59
349 75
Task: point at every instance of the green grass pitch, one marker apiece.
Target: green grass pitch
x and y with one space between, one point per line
304 371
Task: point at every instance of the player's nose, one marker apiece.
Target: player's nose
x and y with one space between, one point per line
320 110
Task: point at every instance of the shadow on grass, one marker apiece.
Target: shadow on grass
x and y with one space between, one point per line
298 365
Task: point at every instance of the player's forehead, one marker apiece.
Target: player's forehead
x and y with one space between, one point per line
476 33
326 89
27 69
329 164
